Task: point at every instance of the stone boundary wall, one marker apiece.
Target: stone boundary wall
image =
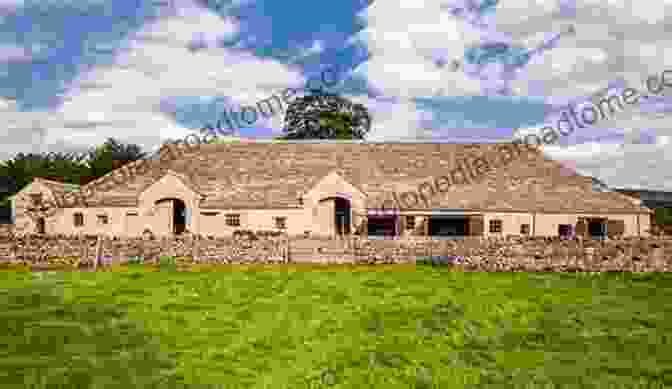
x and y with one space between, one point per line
6 229
471 254
529 254
90 250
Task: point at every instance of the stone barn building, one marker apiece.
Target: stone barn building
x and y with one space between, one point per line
335 188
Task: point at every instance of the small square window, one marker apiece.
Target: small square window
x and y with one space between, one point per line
36 199
103 219
281 222
233 220
564 230
495 226
78 219
524 229
410 222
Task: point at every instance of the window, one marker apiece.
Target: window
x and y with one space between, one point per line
495 226
233 220
410 222
36 199
564 230
524 229
281 222
103 219
78 219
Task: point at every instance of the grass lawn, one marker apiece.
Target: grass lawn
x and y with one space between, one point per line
334 327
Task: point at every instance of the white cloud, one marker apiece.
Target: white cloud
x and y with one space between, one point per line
391 119
14 53
7 105
592 56
622 166
316 48
614 39
122 100
403 54
8 4
21 131
189 22
607 46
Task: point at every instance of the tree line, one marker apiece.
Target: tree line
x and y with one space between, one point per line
69 168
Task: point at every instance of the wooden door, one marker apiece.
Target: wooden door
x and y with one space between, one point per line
476 225
581 227
615 227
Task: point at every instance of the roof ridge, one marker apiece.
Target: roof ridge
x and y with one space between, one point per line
186 180
283 170
92 184
52 181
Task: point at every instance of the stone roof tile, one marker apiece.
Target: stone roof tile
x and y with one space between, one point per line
274 175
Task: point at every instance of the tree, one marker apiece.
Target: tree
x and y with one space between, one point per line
663 216
111 155
325 116
66 167
55 166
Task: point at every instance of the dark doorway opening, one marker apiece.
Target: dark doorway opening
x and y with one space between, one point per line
40 225
5 215
382 226
342 216
448 226
179 215
597 228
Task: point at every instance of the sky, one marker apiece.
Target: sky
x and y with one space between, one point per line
73 73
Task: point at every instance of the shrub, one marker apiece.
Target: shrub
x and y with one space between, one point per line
440 260
167 263
136 260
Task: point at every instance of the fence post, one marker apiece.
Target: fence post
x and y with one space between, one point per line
194 249
116 250
358 250
288 252
99 251
84 250
95 256
25 247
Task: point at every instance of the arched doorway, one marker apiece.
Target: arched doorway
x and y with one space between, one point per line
177 213
333 214
342 216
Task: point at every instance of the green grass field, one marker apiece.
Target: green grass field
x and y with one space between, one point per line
334 327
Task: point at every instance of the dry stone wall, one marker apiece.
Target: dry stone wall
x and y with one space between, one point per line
90 250
529 254
6 229
471 254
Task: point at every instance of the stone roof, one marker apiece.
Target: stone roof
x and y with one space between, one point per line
57 188
274 175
